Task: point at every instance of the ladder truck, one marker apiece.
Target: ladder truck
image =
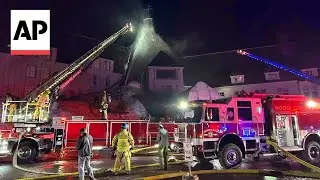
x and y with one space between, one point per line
228 129
33 110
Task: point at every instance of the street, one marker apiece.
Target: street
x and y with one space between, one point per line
67 164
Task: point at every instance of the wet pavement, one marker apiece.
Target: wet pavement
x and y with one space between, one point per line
55 163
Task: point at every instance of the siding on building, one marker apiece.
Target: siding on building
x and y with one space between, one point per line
280 87
21 74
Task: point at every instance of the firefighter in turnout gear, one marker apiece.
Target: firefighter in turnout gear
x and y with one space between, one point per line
105 100
42 105
122 144
163 141
12 107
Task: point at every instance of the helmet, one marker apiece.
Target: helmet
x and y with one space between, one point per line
160 126
124 126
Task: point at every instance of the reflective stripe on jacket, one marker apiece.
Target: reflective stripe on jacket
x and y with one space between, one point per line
123 141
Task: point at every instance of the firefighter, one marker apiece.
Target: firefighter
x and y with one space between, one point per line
162 139
105 100
12 107
42 105
122 144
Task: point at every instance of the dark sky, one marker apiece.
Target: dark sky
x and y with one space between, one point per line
211 25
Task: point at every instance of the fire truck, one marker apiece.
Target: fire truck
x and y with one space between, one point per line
231 128
32 112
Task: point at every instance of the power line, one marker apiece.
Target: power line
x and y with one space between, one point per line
228 51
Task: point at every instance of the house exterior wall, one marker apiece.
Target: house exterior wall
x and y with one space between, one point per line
309 89
165 84
20 74
282 87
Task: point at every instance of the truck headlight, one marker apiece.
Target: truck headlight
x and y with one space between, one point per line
171 146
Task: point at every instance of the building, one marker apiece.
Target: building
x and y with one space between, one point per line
165 74
21 74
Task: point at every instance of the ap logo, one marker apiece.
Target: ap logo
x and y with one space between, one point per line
30 32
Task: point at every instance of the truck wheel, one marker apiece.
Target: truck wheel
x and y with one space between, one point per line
312 153
27 152
230 156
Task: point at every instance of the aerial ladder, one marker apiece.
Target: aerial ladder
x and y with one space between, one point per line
54 85
297 73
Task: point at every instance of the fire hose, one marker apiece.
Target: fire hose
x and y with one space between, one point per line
250 171
15 160
293 157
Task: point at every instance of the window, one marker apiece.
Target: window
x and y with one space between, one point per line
95 80
45 73
212 114
311 71
230 114
221 94
166 74
272 76
31 71
237 79
244 110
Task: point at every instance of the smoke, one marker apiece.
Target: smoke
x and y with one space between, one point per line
189 44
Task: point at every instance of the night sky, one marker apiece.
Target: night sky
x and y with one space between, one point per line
211 25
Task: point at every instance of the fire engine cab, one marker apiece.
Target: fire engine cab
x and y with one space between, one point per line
231 128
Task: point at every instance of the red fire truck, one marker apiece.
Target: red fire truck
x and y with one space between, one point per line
231 128
19 116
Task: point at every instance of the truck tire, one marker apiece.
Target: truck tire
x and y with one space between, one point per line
230 156
312 153
27 152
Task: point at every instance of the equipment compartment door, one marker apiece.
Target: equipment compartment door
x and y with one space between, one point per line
285 131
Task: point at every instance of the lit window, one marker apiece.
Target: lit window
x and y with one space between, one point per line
31 71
